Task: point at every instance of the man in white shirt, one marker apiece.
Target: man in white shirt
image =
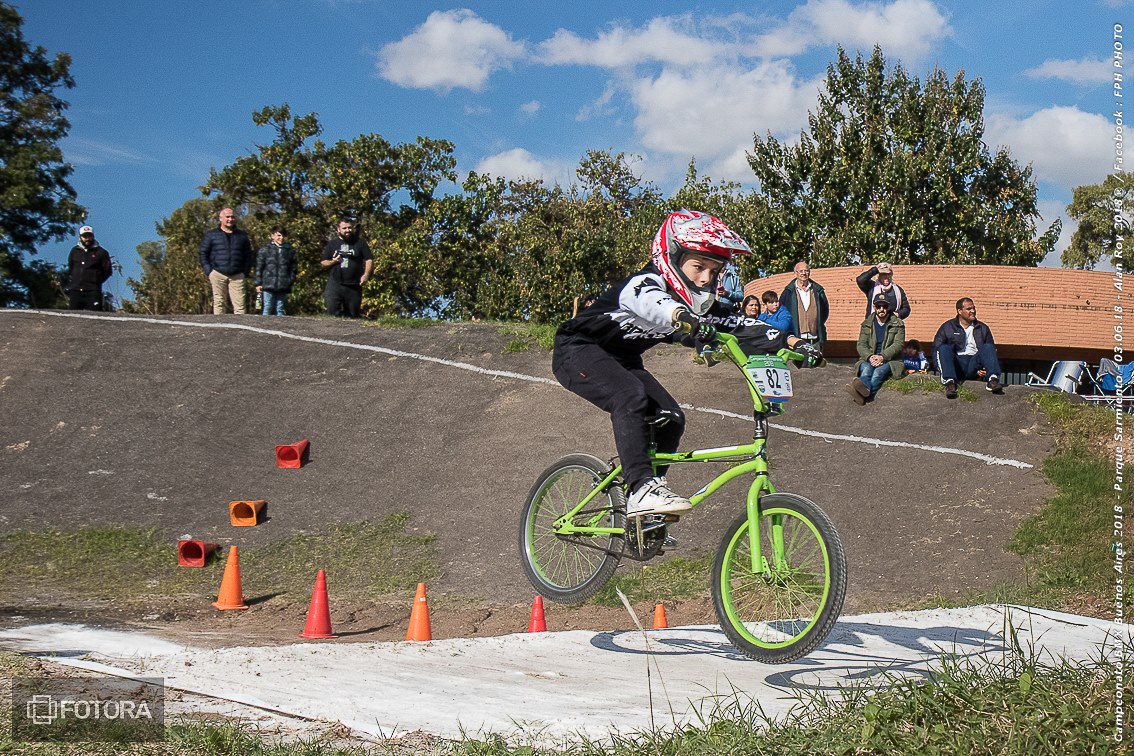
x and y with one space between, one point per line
964 350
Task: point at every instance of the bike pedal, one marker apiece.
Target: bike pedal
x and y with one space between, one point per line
652 521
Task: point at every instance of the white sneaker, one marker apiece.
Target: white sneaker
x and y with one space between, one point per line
654 497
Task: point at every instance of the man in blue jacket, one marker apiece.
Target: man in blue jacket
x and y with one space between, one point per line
226 258
964 350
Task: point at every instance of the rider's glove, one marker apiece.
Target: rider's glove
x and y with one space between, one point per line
702 331
811 354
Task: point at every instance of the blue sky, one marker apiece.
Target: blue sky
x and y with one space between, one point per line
165 90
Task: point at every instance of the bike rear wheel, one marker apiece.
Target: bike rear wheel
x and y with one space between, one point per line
788 609
571 568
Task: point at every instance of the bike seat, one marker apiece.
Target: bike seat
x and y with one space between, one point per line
662 417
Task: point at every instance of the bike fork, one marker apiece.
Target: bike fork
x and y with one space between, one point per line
759 487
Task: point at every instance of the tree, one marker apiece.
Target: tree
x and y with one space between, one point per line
37 203
890 168
172 280
1103 212
302 183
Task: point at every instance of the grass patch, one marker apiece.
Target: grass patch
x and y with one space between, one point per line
364 560
523 336
103 562
1068 547
927 384
396 321
676 578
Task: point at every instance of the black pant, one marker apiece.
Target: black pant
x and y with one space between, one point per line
341 299
85 299
630 394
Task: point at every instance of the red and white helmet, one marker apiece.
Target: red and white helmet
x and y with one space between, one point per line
691 232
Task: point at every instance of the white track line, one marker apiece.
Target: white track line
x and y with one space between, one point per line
987 459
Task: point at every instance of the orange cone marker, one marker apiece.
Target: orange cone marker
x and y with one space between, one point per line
659 617
537 623
292 455
319 614
419 617
231 596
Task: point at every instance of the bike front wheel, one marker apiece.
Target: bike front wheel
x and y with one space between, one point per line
572 568
787 607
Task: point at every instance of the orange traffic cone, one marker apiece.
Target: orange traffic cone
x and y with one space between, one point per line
231 596
659 617
292 455
537 624
319 613
419 617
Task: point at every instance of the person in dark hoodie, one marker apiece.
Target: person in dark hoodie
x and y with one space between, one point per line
88 267
276 269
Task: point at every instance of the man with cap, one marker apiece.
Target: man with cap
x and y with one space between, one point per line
885 286
88 267
880 341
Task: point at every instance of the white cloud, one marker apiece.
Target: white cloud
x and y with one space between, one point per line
531 108
518 164
80 151
601 105
669 39
450 49
1083 71
906 29
1065 145
712 112
477 110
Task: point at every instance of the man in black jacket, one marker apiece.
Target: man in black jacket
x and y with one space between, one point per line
89 267
964 350
349 263
226 257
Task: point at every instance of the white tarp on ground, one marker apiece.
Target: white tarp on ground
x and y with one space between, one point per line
547 686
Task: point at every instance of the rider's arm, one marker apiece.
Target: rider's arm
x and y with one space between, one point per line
645 296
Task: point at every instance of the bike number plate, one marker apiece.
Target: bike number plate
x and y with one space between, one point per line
771 376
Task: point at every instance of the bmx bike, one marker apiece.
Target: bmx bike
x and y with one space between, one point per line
779 576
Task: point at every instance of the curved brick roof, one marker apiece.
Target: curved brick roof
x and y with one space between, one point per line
1034 313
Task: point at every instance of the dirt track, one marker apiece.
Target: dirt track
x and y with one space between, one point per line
150 424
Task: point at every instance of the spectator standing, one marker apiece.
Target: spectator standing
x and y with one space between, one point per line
226 257
88 268
806 302
350 263
883 286
880 340
276 269
964 350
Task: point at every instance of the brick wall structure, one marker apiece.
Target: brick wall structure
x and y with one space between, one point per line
1034 313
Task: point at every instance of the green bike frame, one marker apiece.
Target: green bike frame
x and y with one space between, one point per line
750 459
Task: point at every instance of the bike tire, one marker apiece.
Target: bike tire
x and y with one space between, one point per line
571 569
782 616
